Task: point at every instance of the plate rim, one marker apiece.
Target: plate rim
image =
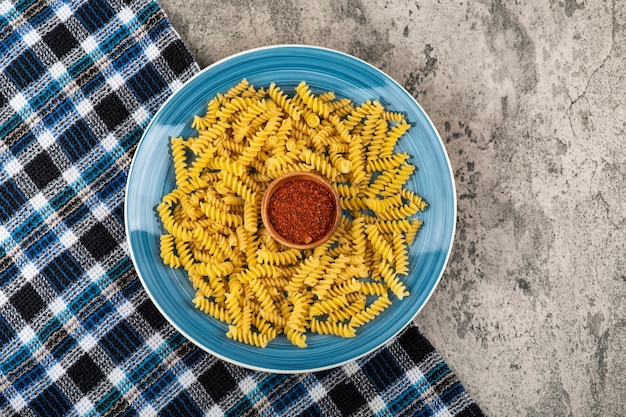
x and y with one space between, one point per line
199 74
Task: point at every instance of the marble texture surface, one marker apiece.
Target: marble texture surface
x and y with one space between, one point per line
529 99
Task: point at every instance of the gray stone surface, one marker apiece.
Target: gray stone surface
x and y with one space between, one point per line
529 99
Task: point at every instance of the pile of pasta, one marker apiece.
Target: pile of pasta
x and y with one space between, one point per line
242 276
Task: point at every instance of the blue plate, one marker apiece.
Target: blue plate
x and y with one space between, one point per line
151 176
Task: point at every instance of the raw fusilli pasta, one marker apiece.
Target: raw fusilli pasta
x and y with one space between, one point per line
211 219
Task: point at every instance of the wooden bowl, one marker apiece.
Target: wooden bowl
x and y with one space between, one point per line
299 176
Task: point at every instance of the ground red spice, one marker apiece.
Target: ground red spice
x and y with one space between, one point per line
301 211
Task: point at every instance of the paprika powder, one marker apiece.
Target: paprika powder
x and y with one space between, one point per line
301 211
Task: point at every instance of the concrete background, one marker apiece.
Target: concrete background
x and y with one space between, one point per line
529 99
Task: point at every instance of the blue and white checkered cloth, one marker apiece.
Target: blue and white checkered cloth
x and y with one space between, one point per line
79 81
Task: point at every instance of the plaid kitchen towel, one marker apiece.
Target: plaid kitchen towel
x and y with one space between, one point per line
79 81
